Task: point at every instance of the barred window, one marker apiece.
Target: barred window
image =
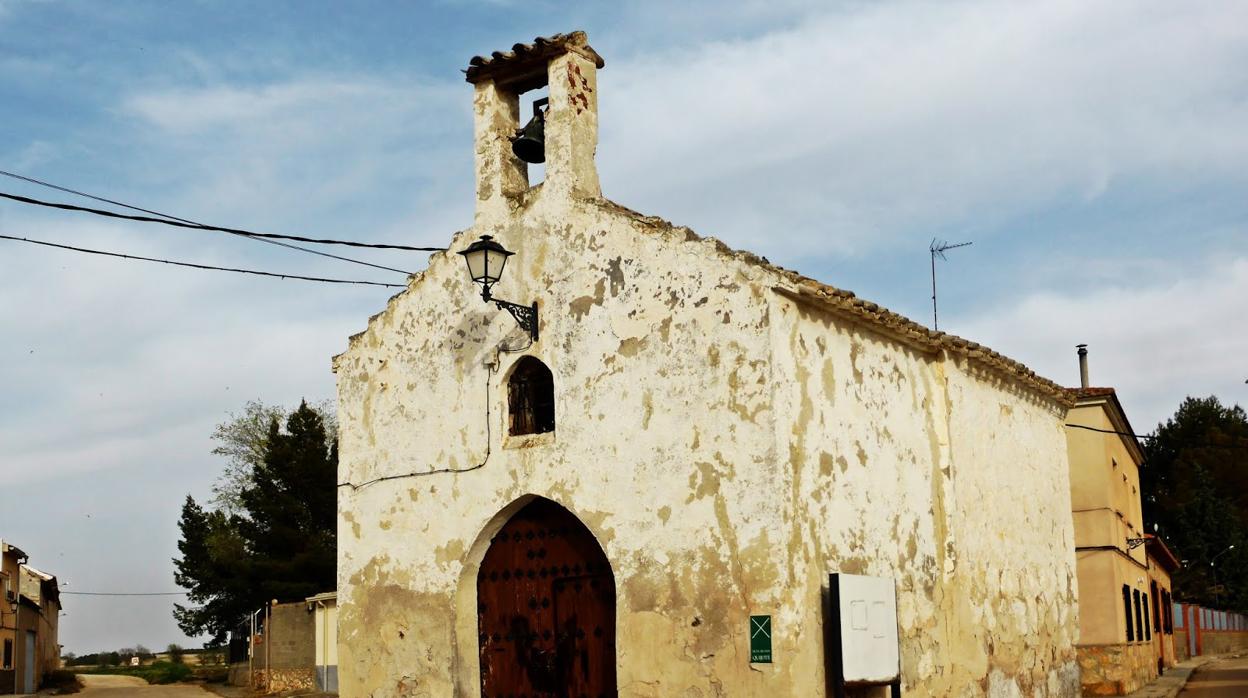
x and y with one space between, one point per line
1168 614
1156 599
1148 633
531 398
1126 607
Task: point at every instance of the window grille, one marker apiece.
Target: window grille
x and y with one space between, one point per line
531 398
1126 608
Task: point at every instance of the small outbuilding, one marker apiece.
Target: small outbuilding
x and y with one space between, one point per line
324 609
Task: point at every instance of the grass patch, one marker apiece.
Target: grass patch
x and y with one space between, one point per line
156 672
212 674
61 682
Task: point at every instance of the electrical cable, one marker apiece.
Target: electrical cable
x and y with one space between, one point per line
183 223
1148 436
125 593
255 236
1111 431
419 473
201 266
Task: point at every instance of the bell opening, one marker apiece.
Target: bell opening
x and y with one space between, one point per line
529 143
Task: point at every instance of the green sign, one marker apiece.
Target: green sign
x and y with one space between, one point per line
760 639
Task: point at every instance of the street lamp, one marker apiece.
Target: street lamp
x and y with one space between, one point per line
486 260
1216 596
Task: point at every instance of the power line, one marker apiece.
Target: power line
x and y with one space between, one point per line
1111 431
122 593
194 225
200 266
1152 436
180 223
254 236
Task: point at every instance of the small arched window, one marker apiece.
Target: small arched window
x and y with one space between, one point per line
531 398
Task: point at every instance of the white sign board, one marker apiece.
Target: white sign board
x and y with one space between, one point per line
868 628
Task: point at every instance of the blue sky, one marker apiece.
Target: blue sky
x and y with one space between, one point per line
1094 153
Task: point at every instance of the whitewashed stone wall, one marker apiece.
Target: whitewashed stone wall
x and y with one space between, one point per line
728 443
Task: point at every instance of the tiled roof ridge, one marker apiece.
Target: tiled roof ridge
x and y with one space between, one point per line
1093 391
480 67
882 319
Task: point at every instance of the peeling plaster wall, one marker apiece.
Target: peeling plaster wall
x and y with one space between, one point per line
728 446
953 480
664 448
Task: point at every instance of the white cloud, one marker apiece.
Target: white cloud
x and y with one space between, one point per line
112 362
1155 343
315 147
854 128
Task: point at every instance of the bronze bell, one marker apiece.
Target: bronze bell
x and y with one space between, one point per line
529 143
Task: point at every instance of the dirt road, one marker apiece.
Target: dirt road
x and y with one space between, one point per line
104 686
1225 678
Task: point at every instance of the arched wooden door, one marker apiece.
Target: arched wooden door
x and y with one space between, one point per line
546 609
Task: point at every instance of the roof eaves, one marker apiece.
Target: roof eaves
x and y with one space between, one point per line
1158 549
524 59
1117 415
847 304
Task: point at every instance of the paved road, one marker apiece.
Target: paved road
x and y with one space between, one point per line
105 686
1225 678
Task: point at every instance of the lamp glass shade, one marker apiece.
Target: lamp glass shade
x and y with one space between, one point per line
486 259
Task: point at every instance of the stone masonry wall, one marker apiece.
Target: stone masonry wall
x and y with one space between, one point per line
1181 648
1223 642
1116 670
291 638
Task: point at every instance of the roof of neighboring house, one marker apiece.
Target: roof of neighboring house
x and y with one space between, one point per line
10 548
42 575
48 586
1117 416
324 596
1158 550
1093 392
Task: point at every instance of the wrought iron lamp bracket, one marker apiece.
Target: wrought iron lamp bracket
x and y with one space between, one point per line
525 315
1133 543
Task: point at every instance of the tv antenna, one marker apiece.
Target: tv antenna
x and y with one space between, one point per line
938 249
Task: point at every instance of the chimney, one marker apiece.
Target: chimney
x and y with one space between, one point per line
1083 364
567 65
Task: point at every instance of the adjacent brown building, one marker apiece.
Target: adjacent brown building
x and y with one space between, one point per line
1124 573
29 614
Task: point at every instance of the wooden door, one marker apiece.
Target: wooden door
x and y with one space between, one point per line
546 609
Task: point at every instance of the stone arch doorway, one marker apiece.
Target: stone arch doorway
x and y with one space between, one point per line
546 609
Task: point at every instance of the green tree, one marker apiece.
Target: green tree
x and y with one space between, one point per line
1195 488
176 653
243 440
273 536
